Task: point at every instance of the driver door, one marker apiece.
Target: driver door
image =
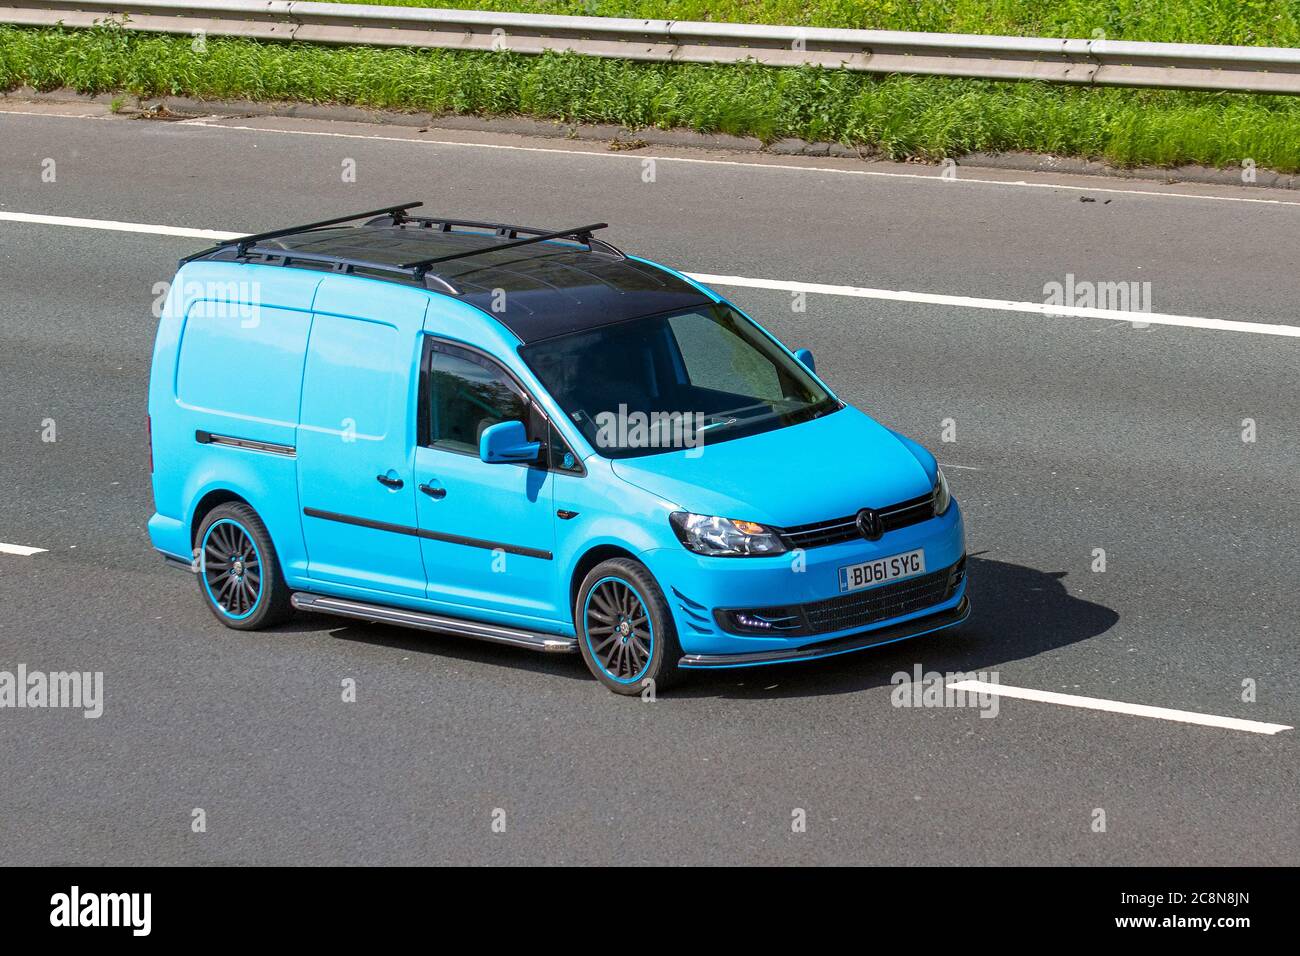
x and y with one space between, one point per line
487 531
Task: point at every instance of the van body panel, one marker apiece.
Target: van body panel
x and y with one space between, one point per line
604 515
227 368
510 572
357 426
506 510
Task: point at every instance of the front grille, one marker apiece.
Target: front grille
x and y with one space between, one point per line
855 610
838 530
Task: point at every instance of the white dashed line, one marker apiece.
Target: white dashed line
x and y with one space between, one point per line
1119 707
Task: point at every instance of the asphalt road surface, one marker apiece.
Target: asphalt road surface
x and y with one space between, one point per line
1072 434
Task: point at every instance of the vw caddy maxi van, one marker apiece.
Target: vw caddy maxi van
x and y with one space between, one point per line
528 436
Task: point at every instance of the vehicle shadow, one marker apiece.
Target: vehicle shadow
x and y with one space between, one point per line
451 646
1017 612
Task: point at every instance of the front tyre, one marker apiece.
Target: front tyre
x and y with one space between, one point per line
625 629
239 571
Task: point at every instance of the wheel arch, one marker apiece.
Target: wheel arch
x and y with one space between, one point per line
590 558
205 505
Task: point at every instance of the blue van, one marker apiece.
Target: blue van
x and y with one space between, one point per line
529 437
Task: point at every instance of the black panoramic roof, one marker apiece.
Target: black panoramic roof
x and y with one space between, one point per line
554 282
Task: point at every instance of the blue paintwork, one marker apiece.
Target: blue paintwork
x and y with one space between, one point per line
767 477
506 442
330 367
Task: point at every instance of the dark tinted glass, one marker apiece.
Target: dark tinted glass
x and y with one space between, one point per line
466 395
683 379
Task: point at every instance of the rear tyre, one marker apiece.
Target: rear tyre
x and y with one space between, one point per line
625 629
239 571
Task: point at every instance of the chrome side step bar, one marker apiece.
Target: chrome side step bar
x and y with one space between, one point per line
382 614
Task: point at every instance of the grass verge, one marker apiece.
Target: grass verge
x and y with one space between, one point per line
899 116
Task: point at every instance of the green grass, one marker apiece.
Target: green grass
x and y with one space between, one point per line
1249 22
902 117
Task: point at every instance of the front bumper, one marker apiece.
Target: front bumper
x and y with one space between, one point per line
698 587
888 634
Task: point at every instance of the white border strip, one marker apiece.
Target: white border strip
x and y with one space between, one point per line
1119 707
220 122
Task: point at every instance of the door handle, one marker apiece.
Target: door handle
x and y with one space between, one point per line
389 482
433 492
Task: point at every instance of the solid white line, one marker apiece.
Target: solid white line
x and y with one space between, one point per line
111 225
815 288
19 549
1003 305
1119 707
213 122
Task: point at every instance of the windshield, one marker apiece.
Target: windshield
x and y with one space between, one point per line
679 380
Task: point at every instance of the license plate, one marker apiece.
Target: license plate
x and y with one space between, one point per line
864 575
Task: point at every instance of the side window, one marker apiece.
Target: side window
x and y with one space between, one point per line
561 456
466 394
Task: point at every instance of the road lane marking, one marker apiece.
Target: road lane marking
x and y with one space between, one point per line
112 225
20 549
1119 707
214 122
782 285
1002 305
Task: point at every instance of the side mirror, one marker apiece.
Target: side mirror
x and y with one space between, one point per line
806 357
507 442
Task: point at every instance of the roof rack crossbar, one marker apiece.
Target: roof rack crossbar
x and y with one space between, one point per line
346 264
397 213
580 233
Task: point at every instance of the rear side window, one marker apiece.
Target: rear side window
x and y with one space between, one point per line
465 394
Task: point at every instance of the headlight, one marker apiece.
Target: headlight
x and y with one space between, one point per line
724 537
942 496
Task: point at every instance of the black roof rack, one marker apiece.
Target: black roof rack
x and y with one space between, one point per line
244 243
418 271
580 284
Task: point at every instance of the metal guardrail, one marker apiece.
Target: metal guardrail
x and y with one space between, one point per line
1084 62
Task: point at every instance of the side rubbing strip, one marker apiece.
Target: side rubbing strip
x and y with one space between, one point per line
431 535
248 444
